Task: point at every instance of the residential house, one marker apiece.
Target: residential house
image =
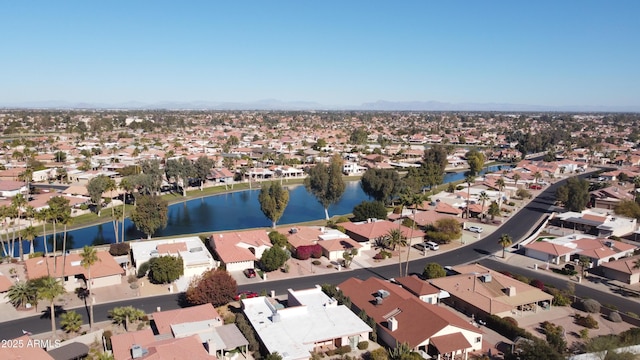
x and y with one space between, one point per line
567 248
240 250
402 318
367 232
196 259
311 322
479 290
623 270
173 348
333 242
420 288
10 188
595 222
105 272
18 349
163 320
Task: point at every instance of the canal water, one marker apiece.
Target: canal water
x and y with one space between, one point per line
230 211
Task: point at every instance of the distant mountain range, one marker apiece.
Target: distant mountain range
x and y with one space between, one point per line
274 104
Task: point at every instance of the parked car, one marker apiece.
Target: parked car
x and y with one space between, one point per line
250 273
535 186
246 295
419 246
432 246
475 229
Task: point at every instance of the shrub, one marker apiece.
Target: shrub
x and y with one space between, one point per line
345 349
119 249
306 251
590 306
363 345
316 262
506 328
107 334
587 321
537 283
510 320
615 317
378 256
165 269
36 254
378 354
610 306
632 314
144 268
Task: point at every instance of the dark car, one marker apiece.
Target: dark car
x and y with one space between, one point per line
250 273
246 295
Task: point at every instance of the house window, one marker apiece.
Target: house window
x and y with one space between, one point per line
478 339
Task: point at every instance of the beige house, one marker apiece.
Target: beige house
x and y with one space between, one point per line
623 270
479 290
240 250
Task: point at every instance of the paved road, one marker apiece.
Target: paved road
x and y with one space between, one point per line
518 226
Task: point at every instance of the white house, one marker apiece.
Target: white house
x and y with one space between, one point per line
311 322
9 188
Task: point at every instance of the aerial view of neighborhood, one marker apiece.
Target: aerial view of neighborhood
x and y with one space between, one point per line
333 180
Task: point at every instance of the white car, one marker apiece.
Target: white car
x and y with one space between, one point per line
475 229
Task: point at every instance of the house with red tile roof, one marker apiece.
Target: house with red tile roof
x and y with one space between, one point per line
163 320
550 252
18 349
10 188
121 344
105 272
481 291
182 348
420 288
367 232
240 250
623 270
401 317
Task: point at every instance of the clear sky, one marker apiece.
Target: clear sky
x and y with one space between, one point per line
346 52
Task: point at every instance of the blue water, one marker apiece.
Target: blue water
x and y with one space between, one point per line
231 211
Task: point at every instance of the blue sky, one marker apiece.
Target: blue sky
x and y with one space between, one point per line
555 53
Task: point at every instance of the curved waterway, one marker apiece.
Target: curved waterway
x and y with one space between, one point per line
230 211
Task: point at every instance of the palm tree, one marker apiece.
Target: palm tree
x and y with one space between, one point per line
417 201
20 294
4 213
49 289
469 179
500 184
65 219
395 237
484 197
19 202
516 177
71 321
44 215
505 240
89 257
30 233
537 175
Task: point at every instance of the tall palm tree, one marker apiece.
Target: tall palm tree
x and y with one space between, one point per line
44 215
469 179
500 184
89 257
417 201
19 202
30 233
537 175
50 289
483 197
65 220
516 177
396 238
4 213
505 240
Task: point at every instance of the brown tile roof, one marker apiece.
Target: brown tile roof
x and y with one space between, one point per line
189 347
106 266
443 207
10 185
121 343
339 244
227 246
5 283
449 343
164 319
173 248
417 286
417 320
376 229
626 265
21 350
549 248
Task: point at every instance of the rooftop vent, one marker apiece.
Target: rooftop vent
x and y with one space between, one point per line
293 231
379 300
383 293
486 278
137 351
392 323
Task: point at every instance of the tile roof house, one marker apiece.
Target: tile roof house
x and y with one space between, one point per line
121 344
367 232
479 290
239 250
563 249
164 319
18 349
10 188
105 272
598 222
623 270
420 288
401 317
311 322
332 241
183 348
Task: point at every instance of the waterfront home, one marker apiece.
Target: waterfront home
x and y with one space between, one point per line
239 250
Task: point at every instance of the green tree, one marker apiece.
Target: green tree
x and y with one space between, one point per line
165 269
273 200
381 184
50 289
359 136
433 165
96 187
494 210
278 239
628 208
326 183
89 257
125 314
152 179
369 209
476 160
348 256
505 241
19 202
483 197
71 321
396 238
516 177
202 169
443 231
150 214
577 194
535 349
21 293
433 271
214 286
469 179
273 258
273 356
30 233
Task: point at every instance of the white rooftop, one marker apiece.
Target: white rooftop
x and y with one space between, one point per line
311 317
